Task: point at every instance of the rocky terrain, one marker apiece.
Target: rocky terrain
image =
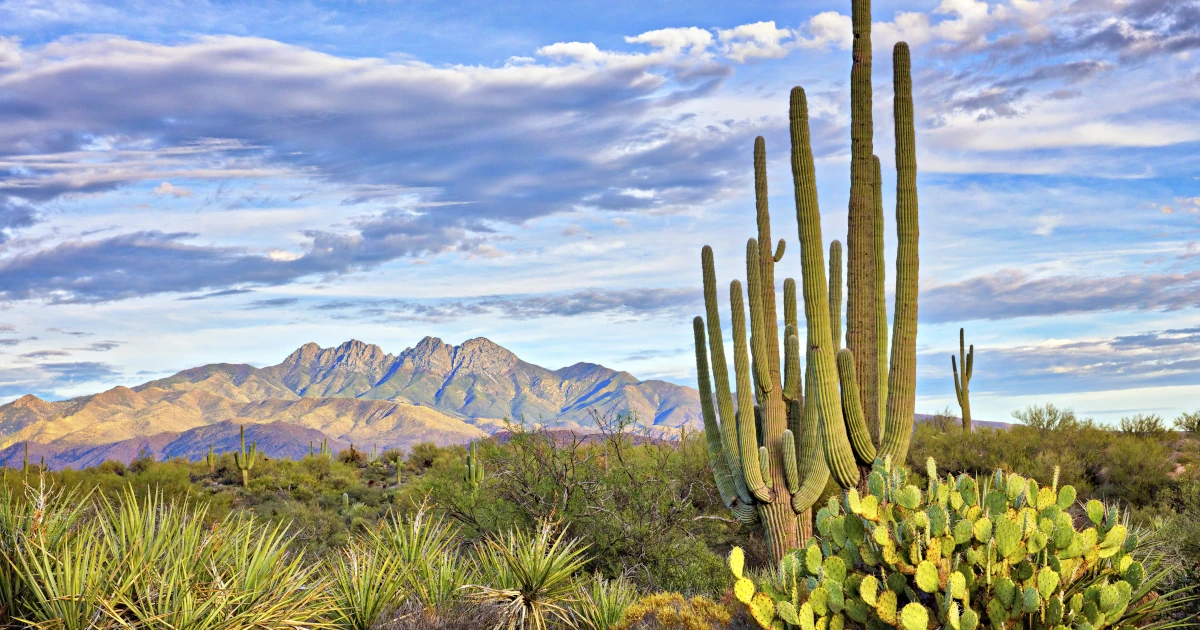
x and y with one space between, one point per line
353 393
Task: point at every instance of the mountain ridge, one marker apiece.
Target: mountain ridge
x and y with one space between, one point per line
352 392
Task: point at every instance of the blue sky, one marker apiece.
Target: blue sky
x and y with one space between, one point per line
184 183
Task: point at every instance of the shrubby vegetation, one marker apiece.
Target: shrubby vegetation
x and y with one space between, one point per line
575 530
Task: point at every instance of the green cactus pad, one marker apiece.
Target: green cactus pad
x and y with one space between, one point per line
762 608
1095 511
834 568
886 607
868 590
737 561
1047 582
983 530
969 620
909 497
1005 591
807 619
743 589
819 598
1029 600
1066 497
1135 574
1008 536
957 583
812 559
914 617
927 576
787 612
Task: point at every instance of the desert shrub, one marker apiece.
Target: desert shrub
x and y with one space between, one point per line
672 611
1137 472
1188 422
646 506
1144 425
1047 417
998 549
1180 536
457 615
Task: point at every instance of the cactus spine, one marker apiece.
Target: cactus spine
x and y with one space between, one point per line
771 465
967 359
245 458
474 471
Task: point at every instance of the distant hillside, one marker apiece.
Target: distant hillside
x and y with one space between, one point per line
354 392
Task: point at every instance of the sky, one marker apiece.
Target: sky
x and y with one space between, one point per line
193 182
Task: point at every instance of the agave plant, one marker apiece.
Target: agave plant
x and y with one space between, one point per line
530 577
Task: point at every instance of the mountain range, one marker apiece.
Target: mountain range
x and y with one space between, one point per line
353 393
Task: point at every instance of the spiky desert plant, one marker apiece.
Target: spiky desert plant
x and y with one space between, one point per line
998 548
211 459
244 459
602 603
474 470
530 577
25 461
774 474
367 582
961 383
42 514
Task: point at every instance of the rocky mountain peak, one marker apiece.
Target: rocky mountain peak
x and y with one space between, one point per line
29 401
483 353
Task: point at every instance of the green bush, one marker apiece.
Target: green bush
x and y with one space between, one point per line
996 549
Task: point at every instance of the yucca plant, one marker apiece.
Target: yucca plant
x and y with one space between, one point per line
65 583
39 512
367 582
602 603
530 577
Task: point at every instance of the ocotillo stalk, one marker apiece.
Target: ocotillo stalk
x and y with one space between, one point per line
881 323
861 333
244 459
967 358
902 371
835 292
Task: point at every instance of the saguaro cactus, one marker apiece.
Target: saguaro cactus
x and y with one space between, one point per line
474 471
967 359
861 335
245 458
772 454
211 459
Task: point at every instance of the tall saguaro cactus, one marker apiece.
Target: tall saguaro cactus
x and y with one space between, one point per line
967 359
861 335
245 458
772 453
474 471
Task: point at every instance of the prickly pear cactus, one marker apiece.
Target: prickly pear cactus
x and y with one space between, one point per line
963 552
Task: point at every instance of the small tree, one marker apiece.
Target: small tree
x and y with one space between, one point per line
1149 425
1188 422
1047 417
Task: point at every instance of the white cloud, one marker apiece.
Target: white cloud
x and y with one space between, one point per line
167 188
829 28
760 40
1047 223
